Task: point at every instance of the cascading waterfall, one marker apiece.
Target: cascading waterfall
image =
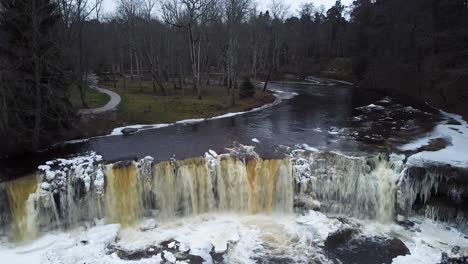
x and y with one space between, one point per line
357 186
22 211
123 193
66 193
437 192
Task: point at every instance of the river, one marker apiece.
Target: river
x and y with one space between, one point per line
323 175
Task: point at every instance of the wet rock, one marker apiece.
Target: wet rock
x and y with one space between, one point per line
122 164
168 250
457 255
128 131
274 260
346 246
403 221
217 257
435 144
453 260
340 237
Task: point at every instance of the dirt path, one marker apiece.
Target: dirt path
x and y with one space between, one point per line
111 105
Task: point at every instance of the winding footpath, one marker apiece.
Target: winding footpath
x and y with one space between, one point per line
110 106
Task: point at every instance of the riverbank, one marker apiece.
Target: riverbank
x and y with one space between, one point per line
141 105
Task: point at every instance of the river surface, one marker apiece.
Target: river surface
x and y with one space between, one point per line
323 114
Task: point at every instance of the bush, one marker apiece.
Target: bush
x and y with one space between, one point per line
247 89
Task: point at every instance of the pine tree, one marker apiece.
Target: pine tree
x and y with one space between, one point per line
31 67
247 89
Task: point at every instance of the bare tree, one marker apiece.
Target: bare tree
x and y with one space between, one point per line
83 10
235 13
129 11
98 8
190 15
148 42
279 11
148 7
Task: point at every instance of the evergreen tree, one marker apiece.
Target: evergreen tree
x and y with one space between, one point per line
247 89
34 84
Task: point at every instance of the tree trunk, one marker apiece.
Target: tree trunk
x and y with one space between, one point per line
37 80
137 61
268 78
80 60
131 63
198 73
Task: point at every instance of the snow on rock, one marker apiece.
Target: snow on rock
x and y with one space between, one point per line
371 107
318 129
455 130
306 147
426 240
242 151
56 171
45 186
169 256
213 153
118 131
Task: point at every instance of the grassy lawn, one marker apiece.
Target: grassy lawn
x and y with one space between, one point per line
93 98
146 107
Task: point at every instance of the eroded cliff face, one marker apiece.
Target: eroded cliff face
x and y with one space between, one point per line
65 193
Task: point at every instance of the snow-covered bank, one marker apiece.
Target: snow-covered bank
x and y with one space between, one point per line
455 131
280 95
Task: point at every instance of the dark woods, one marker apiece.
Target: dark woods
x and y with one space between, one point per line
417 49
33 79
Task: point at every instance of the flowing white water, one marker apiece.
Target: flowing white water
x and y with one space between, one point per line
235 202
356 186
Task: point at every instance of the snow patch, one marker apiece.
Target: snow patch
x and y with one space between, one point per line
454 154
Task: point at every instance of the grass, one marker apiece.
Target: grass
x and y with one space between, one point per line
93 98
145 107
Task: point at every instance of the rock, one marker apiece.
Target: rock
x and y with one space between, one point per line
218 257
457 255
453 260
340 237
346 246
128 130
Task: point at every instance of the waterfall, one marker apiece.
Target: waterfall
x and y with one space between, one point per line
438 192
357 186
182 187
23 215
66 193
123 193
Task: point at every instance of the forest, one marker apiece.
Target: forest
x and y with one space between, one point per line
414 49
